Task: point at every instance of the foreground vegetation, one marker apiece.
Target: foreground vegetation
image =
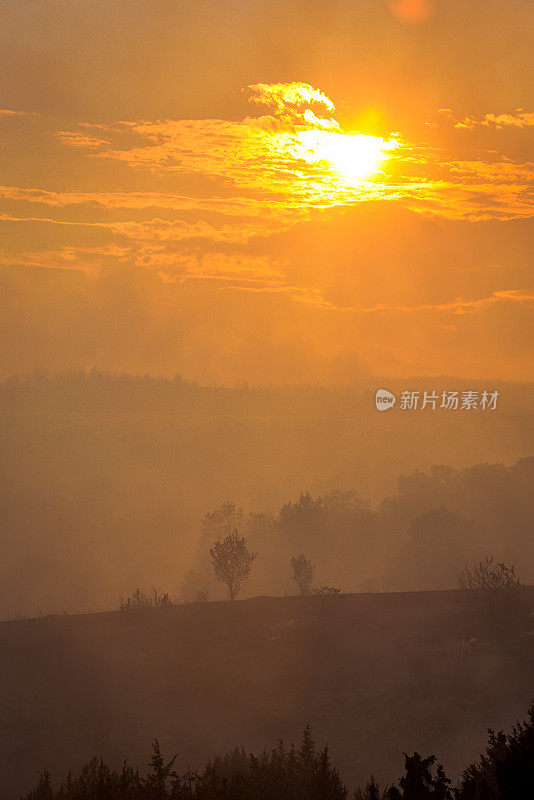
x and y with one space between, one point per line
505 772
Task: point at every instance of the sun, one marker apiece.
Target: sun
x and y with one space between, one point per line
354 156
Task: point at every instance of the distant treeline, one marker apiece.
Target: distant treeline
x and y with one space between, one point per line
419 538
504 772
78 390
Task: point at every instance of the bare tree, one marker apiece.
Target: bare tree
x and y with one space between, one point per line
215 525
496 584
302 571
232 562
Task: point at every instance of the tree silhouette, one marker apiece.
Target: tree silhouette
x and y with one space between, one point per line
302 571
417 783
232 562
505 772
216 525
155 782
43 790
370 792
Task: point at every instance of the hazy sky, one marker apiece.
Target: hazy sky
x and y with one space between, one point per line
274 191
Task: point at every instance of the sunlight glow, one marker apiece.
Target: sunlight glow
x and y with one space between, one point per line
354 156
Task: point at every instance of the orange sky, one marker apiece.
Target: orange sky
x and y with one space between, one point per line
194 188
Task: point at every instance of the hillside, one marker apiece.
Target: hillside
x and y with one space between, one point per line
372 674
105 479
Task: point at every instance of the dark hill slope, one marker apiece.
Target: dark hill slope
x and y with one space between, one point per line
373 674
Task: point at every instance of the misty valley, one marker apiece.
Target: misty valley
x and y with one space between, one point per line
218 568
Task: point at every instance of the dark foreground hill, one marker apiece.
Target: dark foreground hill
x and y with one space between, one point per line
374 675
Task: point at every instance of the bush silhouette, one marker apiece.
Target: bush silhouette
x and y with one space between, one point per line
139 599
495 585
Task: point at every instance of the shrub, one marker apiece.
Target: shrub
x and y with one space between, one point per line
496 586
138 600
